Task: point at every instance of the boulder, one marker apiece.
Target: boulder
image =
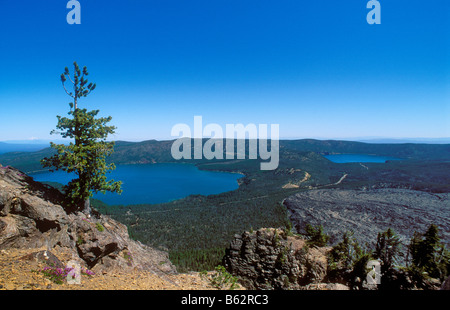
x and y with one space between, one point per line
44 256
269 259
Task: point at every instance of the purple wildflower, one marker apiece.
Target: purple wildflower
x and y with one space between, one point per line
87 272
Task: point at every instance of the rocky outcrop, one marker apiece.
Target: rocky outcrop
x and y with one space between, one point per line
270 259
31 216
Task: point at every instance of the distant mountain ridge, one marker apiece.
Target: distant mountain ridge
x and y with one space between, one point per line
415 151
406 140
153 151
20 147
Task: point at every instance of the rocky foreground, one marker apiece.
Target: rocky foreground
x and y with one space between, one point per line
20 270
38 235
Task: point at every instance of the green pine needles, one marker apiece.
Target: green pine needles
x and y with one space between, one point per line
86 153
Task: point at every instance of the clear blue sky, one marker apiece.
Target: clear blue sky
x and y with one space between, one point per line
314 67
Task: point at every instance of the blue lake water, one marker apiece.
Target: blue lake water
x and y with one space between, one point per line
358 158
157 183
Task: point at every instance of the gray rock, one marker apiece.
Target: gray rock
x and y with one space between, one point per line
31 216
44 256
269 259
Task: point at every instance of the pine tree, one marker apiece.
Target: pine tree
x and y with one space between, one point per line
315 235
388 249
86 154
428 255
347 261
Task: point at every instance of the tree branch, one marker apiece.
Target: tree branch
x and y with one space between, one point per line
71 79
67 91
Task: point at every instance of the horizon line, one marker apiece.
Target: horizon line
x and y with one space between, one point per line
387 140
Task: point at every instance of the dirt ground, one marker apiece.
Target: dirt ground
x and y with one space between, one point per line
18 273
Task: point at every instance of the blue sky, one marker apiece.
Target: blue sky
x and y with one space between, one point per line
316 68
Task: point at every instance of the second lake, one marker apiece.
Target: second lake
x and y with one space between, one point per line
358 158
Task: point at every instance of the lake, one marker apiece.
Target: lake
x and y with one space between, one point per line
156 183
358 158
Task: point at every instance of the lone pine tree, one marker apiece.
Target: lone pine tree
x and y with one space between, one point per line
86 153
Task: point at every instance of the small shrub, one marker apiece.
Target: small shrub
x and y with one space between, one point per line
59 275
100 227
80 240
129 258
221 278
315 236
87 272
56 275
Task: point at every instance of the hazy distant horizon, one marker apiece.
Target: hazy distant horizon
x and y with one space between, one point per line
386 140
